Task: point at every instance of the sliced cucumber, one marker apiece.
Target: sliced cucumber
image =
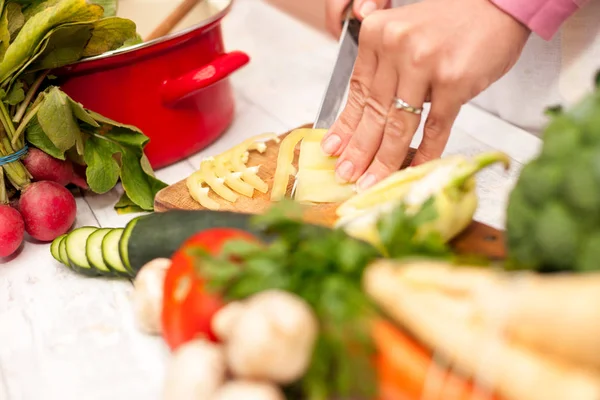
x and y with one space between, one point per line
110 251
76 250
55 248
123 248
93 249
62 251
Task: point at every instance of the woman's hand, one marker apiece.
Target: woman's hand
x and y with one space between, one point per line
334 12
443 51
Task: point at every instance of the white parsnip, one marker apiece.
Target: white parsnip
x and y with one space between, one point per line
477 319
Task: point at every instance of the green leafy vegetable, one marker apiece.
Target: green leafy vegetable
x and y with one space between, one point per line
81 114
16 20
110 6
137 39
4 32
125 205
15 95
61 46
102 168
140 186
34 30
110 150
57 120
36 136
32 7
108 34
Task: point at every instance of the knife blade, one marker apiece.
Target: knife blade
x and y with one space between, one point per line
340 75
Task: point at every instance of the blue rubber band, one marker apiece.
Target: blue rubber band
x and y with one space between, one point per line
14 156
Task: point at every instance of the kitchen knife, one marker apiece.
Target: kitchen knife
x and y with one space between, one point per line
340 76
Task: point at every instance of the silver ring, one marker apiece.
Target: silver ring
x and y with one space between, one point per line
402 105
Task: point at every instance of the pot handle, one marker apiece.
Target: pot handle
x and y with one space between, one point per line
175 90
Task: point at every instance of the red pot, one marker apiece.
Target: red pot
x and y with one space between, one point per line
175 88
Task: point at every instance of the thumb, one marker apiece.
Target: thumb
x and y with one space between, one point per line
362 8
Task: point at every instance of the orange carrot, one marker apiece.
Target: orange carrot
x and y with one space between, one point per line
404 367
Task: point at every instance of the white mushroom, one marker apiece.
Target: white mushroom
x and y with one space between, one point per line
223 321
196 371
271 338
148 295
248 390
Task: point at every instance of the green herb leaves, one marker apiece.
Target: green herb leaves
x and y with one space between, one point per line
110 150
398 231
322 266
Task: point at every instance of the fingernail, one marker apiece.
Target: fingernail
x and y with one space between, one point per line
366 181
367 8
331 144
344 170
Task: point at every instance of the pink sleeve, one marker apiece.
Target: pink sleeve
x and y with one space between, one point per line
543 17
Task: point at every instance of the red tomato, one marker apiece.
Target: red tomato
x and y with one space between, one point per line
187 308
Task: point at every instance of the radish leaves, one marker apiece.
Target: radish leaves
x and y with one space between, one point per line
110 150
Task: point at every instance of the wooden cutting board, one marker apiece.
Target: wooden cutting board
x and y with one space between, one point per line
477 239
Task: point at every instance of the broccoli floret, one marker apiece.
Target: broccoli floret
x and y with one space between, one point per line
589 258
553 215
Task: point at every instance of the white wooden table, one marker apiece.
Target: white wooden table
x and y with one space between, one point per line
64 336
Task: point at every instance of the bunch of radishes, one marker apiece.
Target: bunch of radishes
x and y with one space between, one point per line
46 209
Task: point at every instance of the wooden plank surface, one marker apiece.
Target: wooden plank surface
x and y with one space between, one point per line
177 197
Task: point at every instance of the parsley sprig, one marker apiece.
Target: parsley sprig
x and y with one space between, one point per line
324 267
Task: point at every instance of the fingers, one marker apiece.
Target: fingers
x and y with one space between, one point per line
358 92
366 139
362 8
443 113
399 129
334 10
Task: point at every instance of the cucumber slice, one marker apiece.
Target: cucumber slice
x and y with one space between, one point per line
55 248
93 249
76 250
123 248
110 251
62 252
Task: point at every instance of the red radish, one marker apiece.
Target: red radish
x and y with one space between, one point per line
79 181
44 167
48 209
11 230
